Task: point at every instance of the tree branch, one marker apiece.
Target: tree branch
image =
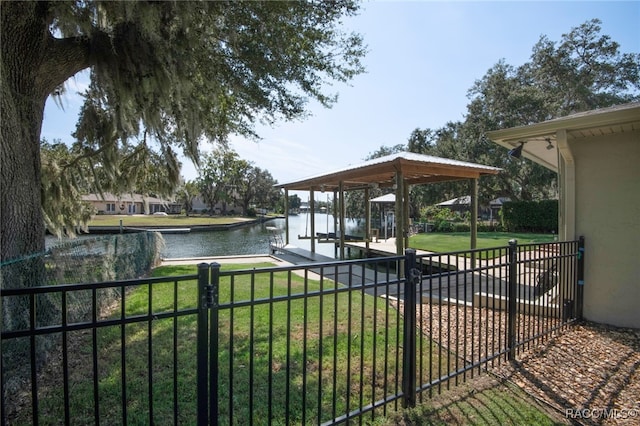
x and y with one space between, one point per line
63 58
86 155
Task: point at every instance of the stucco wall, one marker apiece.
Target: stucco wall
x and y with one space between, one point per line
101 206
608 215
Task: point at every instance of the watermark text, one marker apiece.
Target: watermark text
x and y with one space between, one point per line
602 413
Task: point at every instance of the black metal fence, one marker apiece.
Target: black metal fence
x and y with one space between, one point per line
308 344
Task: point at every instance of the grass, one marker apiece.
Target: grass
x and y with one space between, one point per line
482 401
289 361
159 220
457 241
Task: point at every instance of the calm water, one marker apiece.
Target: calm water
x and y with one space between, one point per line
252 239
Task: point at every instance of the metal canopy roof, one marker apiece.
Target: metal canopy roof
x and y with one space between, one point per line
387 198
415 168
465 200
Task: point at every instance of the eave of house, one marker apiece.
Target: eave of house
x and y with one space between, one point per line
536 137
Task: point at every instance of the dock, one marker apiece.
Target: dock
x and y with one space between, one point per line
445 279
298 256
347 275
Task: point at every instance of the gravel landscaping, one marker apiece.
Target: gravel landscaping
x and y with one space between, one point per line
588 372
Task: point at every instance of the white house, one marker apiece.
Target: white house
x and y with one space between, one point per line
130 204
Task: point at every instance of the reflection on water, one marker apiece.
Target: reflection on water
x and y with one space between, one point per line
252 239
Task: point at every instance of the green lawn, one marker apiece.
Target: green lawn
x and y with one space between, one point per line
333 328
158 220
457 241
482 401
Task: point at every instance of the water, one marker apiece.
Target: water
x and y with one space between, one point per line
253 239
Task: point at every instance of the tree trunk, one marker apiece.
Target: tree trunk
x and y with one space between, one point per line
21 223
32 65
21 220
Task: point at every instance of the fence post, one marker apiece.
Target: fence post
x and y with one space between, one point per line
409 364
214 291
512 294
202 345
580 290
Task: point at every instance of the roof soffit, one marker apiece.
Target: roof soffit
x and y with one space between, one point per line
618 119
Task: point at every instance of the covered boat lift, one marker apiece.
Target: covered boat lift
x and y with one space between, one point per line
398 171
383 201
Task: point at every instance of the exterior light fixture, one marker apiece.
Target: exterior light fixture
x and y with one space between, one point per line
517 151
550 146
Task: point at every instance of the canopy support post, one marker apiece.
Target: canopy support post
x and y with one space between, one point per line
405 214
286 216
367 215
399 215
474 220
342 215
312 212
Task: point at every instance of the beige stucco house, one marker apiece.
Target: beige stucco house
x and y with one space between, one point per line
597 157
130 204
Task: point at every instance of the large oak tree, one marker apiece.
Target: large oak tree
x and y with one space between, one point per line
582 71
182 71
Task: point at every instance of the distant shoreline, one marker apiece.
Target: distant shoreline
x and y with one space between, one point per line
191 228
173 228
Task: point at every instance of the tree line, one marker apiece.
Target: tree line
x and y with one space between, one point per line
223 177
226 178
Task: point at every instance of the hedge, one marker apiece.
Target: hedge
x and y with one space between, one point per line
530 216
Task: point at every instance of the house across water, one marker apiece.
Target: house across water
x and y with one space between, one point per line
108 203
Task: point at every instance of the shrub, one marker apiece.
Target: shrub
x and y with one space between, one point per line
114 257
436 214
461 227
444 226
490 228
531 216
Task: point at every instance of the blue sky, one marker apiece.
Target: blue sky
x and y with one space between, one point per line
423 58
